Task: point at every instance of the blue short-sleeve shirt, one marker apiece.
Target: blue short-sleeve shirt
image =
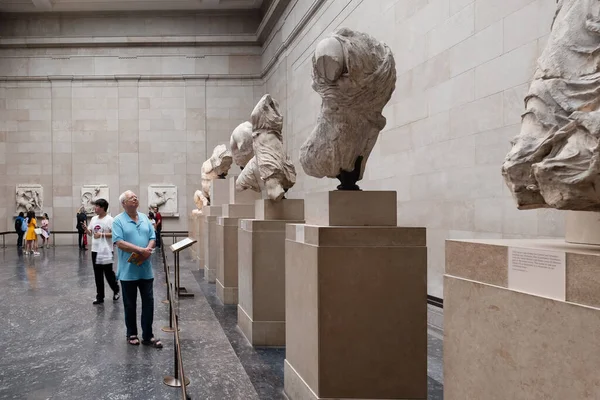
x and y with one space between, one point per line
139 233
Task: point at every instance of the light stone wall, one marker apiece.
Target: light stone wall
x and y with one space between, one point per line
463 69
127 117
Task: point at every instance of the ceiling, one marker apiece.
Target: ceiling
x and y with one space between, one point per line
124 5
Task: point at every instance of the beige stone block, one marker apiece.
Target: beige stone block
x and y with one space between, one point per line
500 344
227 259
452 93
511 69
483 263
243 197
477 49
261 264
490 11
351 208
238 210
219 192
478 116
211 252
287 209
452 31
325 319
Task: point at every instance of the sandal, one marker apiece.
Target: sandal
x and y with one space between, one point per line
133 340
153 342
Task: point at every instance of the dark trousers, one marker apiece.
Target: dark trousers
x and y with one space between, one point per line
158 239
80 239
20 235
101 271
130 289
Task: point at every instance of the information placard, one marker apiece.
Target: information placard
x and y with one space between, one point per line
182 244
538 272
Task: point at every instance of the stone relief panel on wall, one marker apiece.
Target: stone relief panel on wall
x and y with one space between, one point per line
271 168
89 193
216 167
165 198
355 75
29 198
555 159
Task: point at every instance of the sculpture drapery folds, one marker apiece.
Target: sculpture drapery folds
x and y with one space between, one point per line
355 75
555 159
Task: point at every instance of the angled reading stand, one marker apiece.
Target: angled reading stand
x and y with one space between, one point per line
176 248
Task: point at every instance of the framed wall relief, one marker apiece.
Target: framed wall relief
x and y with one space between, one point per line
165 198
29 197
89 193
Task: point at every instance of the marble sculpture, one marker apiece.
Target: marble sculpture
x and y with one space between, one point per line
241 144
555 159
271 168
216 167
355 75
29 198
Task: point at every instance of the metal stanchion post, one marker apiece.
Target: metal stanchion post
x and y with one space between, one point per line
174 381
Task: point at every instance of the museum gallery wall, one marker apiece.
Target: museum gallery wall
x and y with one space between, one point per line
463 69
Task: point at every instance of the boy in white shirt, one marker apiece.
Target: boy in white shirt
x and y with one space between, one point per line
101 231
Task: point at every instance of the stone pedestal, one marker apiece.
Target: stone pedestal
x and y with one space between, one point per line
261 269
211 213
196 230
356 301
241 206
500 343
219 195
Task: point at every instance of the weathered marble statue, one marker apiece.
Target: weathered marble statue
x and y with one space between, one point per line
271 168
355 76
216 167
241 144
555 159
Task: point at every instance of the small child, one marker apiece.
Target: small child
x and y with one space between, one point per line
45 231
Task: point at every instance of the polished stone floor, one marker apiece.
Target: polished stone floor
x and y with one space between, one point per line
57 345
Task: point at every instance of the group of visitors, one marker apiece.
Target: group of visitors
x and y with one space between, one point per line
27 227
135 236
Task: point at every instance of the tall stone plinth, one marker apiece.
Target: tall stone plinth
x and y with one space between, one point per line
219 195
196 230
356 301
227 242
521 320
261 269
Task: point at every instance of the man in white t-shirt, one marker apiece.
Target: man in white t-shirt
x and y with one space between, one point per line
100 229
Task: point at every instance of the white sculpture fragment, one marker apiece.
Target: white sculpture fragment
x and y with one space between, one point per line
355 75
270 168
29 198
241 144
216 167
90 193
555 159
165 198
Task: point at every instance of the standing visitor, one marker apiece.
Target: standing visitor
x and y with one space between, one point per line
158 219
45 231
19 229
31 236
100 229
81 220
134 237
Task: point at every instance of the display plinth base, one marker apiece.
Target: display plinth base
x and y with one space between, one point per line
583 227
356 305
196 232
261 260
504 341
211 213
227 248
